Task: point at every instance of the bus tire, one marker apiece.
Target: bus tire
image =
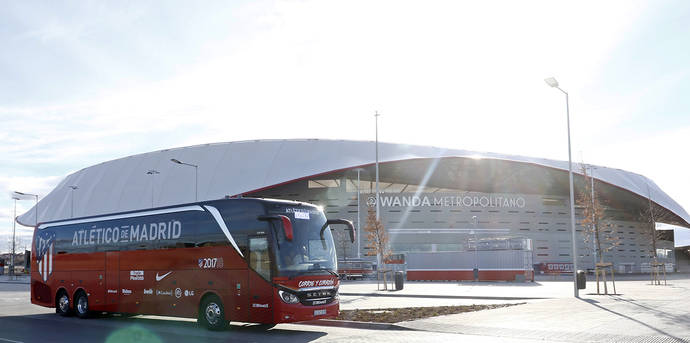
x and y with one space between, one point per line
212 313
81 305
62 305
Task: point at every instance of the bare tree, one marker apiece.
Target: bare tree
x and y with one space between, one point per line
596 227
377 240
648 216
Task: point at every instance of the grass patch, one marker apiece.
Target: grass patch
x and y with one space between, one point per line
394 315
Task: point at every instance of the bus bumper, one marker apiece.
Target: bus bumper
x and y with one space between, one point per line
299 313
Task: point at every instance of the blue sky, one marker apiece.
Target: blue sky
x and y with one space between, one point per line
85 82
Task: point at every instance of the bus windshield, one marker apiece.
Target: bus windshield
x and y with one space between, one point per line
306 253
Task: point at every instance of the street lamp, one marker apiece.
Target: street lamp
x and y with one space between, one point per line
74 188
153 173
196 176
359 231
35 207
476 244
14 228
17 196
553 83
376 116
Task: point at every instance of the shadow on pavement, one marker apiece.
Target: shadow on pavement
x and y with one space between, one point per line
103 327
596 304
676 319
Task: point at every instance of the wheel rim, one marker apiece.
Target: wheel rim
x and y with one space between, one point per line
213 313
82 304
63 303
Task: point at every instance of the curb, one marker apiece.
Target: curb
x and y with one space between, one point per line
356 325
441 296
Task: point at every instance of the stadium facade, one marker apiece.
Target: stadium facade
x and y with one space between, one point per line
444 209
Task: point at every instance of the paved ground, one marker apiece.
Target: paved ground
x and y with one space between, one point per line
364 294
640 313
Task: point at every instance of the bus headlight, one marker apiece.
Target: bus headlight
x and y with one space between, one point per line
288 297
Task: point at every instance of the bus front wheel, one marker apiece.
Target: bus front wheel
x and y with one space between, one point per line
81 305
212 314
62 306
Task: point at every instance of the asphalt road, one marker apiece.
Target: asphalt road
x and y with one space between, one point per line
20 321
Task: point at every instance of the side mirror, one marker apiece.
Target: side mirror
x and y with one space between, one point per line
287 224
345 222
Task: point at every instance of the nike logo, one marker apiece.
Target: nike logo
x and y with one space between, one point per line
161 277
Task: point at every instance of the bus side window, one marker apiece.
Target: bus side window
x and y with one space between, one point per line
259 258
209 234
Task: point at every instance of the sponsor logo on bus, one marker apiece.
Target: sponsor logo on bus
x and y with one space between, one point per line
316 283
188 293
168 292
161 277
136 275
260 305
178 292
209 263
112 291
126 291
148 291
301 215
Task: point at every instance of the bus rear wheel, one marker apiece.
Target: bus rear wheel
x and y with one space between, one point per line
62 305
212 314
81 305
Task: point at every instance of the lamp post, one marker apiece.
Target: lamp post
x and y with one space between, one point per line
35 207
376 116
359 231
553 83
17 196
14 228
196 176
476 245
73 189
153 173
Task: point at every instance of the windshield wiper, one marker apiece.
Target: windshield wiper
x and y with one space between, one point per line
324 269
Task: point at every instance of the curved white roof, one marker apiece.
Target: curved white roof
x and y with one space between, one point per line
240 167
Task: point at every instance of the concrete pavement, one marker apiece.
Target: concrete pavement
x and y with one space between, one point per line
19 278
641 313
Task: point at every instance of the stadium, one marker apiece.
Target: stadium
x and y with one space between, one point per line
449 212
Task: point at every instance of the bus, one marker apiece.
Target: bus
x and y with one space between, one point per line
241 259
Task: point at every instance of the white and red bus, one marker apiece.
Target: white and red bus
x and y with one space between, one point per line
248 260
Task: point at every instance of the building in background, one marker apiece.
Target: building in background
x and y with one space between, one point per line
447 210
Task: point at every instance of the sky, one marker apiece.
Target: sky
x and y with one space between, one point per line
86 82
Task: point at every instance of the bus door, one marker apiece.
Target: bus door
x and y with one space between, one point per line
260 289
112 280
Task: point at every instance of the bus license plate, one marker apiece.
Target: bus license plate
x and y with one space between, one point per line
319 312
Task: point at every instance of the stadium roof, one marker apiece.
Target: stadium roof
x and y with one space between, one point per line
234 168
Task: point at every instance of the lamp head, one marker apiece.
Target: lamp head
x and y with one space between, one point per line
174 160
551 81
